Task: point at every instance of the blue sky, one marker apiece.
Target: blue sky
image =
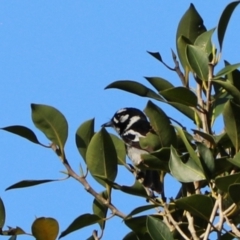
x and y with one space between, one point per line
63 53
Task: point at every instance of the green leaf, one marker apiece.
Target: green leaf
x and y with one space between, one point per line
191 24
29 183
199 205
141 209
45 228
223 183
231 117
83 137
233 76
151 142
191 152
180 95
236 160
101 157
234 190
190 27
135 88
184 172
131 236
207 159
2 214
156 55
100 209
182 43
187 111
80 222
226 70
223 21
136 189
137 224
155 163
157 229
159 83
231 89
23 132
204 42
198 61
51 122
161 125
120 148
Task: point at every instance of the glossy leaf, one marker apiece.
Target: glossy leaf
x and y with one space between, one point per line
161 125
204 42
120 148
218 105
223 21
186 110
190 27
190 150
2 214
151 142
83 136
45 228
233 76
231 89
226 70
180 95
234 190
101 157
159 83
199 205
154 163
51 122
231 117
157 229
80 222
182 43
137 224
136 88
100 209
207 159
223 183
191 24
184 172
198 61
141 209
23 132
29 183
136 189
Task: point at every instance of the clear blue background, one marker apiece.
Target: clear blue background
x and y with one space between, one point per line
63 53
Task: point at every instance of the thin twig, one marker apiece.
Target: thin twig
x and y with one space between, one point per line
213 214
178 70
175 224
86 185
191 226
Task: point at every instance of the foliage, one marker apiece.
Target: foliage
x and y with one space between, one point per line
196 159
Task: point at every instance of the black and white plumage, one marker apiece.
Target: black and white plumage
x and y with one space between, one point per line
132 124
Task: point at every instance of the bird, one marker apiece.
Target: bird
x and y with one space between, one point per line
131 124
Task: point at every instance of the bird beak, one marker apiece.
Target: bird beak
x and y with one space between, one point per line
107 124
